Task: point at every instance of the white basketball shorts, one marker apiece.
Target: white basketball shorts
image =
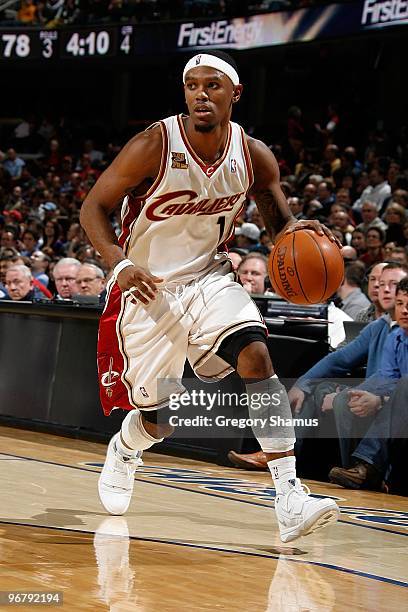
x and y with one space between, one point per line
142 349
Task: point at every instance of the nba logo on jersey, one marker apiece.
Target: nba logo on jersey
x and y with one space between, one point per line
233 165
198 59
143 391
178 160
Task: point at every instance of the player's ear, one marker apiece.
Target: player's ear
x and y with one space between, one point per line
237 93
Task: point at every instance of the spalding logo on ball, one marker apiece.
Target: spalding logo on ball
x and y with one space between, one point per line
305 268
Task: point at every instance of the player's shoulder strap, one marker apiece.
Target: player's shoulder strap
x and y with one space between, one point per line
160 123
153 125
244 138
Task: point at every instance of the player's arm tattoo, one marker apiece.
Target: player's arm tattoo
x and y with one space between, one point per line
275 215
270 199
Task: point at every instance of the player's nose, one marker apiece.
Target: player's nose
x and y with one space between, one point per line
201 94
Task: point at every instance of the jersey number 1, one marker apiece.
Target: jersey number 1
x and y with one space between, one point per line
221 223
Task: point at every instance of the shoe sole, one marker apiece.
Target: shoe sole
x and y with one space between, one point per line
329 517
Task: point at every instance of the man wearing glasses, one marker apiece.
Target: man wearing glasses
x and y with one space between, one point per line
91 281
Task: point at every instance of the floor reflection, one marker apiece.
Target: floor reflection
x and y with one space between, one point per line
115 576
299 587
294 586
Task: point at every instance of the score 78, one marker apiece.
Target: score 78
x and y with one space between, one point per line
21 43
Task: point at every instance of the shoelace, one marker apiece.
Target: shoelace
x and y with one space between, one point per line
130 469
120 478
124 471
300 488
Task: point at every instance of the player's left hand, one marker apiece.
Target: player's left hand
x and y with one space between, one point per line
316 226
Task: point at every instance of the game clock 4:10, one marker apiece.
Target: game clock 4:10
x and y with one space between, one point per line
101 43
89 44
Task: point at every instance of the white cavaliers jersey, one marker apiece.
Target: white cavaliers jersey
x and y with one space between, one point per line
177 228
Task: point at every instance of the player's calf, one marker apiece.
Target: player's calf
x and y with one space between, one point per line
156 422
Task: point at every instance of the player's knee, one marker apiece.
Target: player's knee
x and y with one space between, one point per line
254 362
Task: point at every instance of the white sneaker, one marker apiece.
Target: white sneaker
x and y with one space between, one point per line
115 484
300 514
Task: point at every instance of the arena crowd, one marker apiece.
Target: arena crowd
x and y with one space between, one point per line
53 13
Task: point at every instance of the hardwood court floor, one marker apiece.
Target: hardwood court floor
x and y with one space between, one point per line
197 537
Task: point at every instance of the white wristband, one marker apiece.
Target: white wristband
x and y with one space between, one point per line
124 263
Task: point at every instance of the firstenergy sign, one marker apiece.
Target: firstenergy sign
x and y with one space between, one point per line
390 12
312 23
235 33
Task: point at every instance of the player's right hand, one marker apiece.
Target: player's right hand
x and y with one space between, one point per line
137 284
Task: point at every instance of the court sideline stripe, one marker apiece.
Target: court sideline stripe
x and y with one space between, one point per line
242 501
338 568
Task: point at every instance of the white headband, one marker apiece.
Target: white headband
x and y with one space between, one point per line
213 61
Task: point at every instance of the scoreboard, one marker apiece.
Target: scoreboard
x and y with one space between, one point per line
66 43
121 41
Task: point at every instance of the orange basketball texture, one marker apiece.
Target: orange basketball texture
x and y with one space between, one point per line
305 268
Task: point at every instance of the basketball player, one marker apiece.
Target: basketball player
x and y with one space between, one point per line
172 295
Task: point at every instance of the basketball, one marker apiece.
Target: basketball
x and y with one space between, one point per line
305 268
